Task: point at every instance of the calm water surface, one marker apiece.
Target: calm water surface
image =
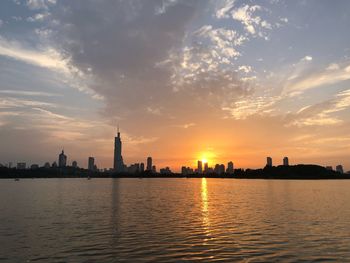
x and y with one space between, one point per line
174 220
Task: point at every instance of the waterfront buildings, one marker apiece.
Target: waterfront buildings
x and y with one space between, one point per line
21 166
230 168
199 167
285 161
269 161
165 171
75 164
339 169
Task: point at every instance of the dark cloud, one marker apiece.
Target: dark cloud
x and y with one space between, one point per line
121 43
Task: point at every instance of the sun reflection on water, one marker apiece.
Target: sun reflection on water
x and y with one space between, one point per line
205 210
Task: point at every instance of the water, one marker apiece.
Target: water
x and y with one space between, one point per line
174 220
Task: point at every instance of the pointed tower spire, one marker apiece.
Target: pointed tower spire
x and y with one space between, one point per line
118 130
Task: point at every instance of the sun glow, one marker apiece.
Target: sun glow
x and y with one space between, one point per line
206 157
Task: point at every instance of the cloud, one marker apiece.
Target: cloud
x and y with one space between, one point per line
245 15
185 126
322 113
40 4
255 105
223 8
329 76
38 17
306 58
29 93
48 58
245 68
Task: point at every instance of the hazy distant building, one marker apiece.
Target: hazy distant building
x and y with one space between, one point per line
74 164
47 165
34 166
285 161
339 169
118 164
54 165
62 159
142 167
206 167
186 170
165 171
219 169
149 164
91 163
269 161
154 169
230 168
199 167
330 168
134 168
21 166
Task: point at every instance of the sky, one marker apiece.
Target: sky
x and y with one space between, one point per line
185 80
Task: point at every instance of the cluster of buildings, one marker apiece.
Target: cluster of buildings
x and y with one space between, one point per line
285 161
203 168
149 167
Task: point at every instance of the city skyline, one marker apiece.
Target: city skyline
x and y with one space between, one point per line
186 81
202 165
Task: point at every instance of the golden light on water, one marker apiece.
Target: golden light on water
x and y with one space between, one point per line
205 210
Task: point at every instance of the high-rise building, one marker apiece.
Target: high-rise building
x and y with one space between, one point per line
47 165
285 161
118 165
142 167
269 161
339 169
154 169
149 164
199 167
230 168
62 159
91 163
206 167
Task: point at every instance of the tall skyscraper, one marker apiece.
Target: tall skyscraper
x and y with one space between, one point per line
118 159
269 161
91 163
142 167
149 164
285 161
199 167
62 159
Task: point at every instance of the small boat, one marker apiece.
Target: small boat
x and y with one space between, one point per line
89 178
16 179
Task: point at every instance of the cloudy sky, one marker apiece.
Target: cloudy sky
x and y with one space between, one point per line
221 80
